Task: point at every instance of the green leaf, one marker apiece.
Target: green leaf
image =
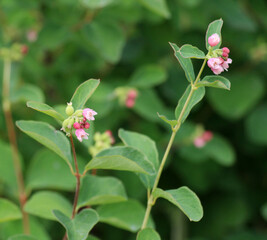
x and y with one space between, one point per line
46 109
214 27
100 190
246 91
59 177
189 51
83 93
170 122
121 158
157 6
185 63
183 198
42 203
27 92
95 4
127 215
48 136
79 227
22 237
8 211
215 82
145 145
197 95
148 76
148 234
264 211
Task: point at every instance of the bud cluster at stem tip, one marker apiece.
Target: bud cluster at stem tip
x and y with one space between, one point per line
78 120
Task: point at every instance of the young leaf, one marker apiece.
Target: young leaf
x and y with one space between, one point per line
42 203
170 122
148 76
214 81
157 6
46 109
148 234
197 95
127 215
48 136
189 51
183 198
185 63
8 211
22 237
214 27
79 227
83 93
121 158
100 190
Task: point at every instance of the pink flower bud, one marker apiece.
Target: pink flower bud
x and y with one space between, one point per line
225 55
86 125
226 50
207 136
24 49
214 39
81 134
76 125
199 142
132 94
130 102
89 114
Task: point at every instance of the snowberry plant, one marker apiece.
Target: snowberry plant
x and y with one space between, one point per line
137 153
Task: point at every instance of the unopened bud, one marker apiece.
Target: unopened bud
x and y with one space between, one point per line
226 50
78 113
225 55
214 39
24 49
69 109
76 125
86 125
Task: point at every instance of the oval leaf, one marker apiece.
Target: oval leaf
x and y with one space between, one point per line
196 97
46 109
100 190
185 199
214 27
83 93
42 203
121 158
148 234
79 227
214 81
185 63
127 215
48 136
189 51
8 211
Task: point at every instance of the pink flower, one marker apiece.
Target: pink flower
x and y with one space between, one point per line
76 125
226 63
89 114
215 65
207 136
81 134
199 142
130 102
131 96
214 39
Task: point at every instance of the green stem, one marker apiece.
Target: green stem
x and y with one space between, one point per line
13 142
151 200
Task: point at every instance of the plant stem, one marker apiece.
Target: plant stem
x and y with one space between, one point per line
13 142
151 200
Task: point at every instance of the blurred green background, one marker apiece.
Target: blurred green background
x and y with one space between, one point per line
117 41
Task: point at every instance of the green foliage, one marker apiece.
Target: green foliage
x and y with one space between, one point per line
148 234
184 199
215 81
79 227
22 237
8 211
189 51
157 6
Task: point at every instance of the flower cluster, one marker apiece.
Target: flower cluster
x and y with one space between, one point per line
78 120
218 59
201 140
130 100
126 96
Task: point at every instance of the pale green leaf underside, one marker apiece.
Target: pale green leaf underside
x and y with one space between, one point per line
48 136
215 81
42 203
100 190
95 4
185 63
22 237
170 122
148 234
214 27
46 109
185 199
8 211
79 227
197 95
83 93
157 6
121 158
189 51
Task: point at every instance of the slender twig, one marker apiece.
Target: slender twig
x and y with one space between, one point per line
13 142
78 182
151 200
